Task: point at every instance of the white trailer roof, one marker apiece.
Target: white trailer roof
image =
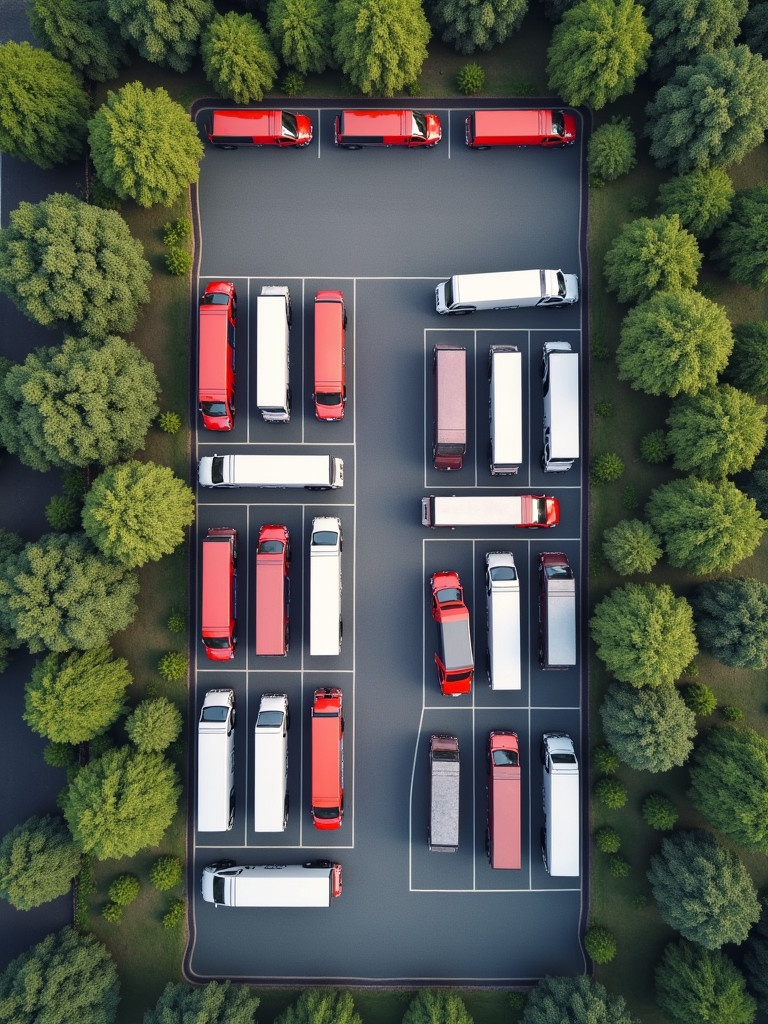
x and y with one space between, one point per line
564 399
507 409
487 287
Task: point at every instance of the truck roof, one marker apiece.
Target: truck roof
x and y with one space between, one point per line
444 792
457 643
271 350
561 622
485 287
277 470
278 885
494 510
564 404
450 395
506 407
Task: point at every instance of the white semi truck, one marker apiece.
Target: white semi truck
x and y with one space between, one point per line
325 626
314 472
512 289
489 510
314 884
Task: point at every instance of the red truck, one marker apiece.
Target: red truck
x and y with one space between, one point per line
503 835
273 558
219 611
454 659
216 355
486 128
229 129
354 129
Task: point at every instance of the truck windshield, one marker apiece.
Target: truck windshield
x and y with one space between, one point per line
563 759
269 719
561 284
215 714
216 643
448 595
558 123
214 299
326 538
213 408
217 469
325 812
419 124
448 292
290 128
218 889
445 755
559 572
271 547
504 572
506 758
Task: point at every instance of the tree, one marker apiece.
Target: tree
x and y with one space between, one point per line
154 724
214 1003
78 403
732 621
611 150
301 32
650 729
702 986
597 52
659 812
69 265
711 112
471 26
62 595
38 861
649 255
705 527
238 59
674 343
701 199
137 512
742 245
600 944
43 107
683 30
717 432
703 890
631 546
121 803
579 1000
644 634
729 785
164 32
77 32
755 482
748 368
144 145
380 45
754 27
71 699
756 958
431 1006
66 977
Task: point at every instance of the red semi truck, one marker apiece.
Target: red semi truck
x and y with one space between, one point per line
486 128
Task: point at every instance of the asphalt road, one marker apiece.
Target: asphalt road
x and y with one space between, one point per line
385 226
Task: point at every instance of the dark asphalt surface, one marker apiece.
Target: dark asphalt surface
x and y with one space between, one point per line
385 226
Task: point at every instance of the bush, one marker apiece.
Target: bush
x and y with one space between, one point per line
173 666
691 670
169 422
517 1001
605 761
605 409
631 546
606 468
175 914
611 151
165 873
62 513
177 232
699 698
59 755
178 261
654 448
629 498
619 866
732 713
124 890
611 793
600 944
112 912
659 812
177 622
470 79
607 840
294 83
639 900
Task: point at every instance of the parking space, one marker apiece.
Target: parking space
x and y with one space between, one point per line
384 226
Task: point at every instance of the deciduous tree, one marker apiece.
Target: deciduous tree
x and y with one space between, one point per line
214 1003
644 634
732 621
431 1006
579 1000
611 150
701 199
301 32
683 30
471 26
748 366
754 27
164 32
154 724
238 59
702 986
716 433
77 32
756 958
380 45
742 242
38 861
651 254
631 546
650 729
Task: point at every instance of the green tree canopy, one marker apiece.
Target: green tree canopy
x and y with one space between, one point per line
732 621
71 699
433 1006
471 26
67 977
78 403
380 45
597 52
121 803
711 112
755 482
702 986
755 27
756 958
650 729
705 526
748 368
703 890
164 32
238 59
214 1003
43 107
154 724
60 594
742 242
683 30
137 512
73 266
321 1006
579 1000
144 145
644 634
729 785
301 32
674 343
716 433
631 546
611 150
38 861
77 32
651 254
701 199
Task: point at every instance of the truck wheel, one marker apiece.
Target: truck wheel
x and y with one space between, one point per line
234 718
478 148
348 146
227 147
290 313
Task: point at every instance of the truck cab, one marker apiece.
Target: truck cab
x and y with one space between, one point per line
454 659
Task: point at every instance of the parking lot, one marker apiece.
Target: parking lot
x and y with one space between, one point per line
384 226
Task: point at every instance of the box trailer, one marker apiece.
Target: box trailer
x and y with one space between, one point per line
511 289
560 841
270 764
313 884
313 472
504 830
505 409
325 625
523 510
443 794
273 326
560 380
449 370
557 611
216 762
502 595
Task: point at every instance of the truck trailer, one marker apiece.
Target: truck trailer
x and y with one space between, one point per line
313 472
557 611
512 289
314 884
443 794
523 510
560 839
502 595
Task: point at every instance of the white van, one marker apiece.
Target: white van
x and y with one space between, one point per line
502 595
505 409
560 840
270 764
560 379
511 289
216 762
325 626
313 884
273 324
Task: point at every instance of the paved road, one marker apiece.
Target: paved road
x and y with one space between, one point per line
385 226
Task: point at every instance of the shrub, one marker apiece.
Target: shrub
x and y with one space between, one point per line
175 914
654 448
659 812
619 866
699 698
470 79
178 261
607 840
112 912
517 1001
124 890
691 670
605 761
611 793
629 498
631 546
169 422
59 755
177 232
605 409
611 151
639 900
294 83
600 944
173 666
600 350
177 622
732 713
62 513
165 873
606 468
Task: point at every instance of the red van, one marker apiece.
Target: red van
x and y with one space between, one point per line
503 836
486 128
327 758
219 617
216 358
232 128
454 659
273 558
330 392
354 129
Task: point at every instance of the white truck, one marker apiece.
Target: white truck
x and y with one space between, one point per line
444 794
512 289
560 841
314 884
505 409
216 762
502 593
489 510
273 325
313 472
557 611
270 764
325 625
560 380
